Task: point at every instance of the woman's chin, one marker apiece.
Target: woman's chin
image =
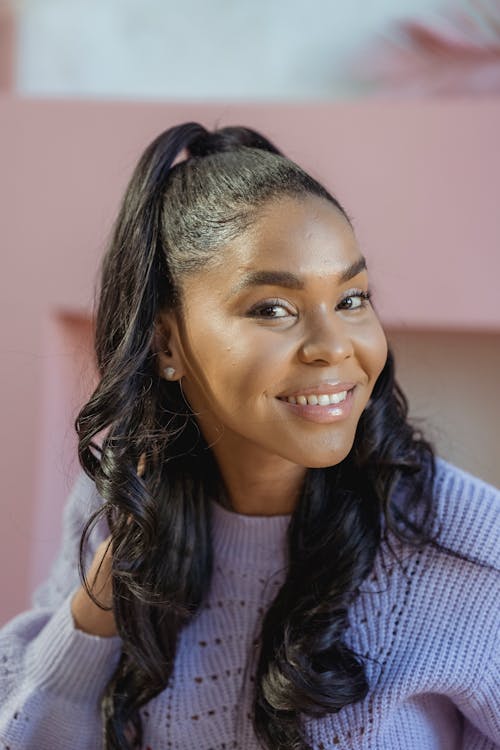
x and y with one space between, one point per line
321 458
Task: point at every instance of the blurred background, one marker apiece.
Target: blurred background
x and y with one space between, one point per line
393 104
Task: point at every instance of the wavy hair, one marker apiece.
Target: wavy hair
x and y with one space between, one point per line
174 219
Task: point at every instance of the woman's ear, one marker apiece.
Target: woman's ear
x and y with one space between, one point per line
165 346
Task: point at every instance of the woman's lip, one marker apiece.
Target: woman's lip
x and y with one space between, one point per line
322 414
322 388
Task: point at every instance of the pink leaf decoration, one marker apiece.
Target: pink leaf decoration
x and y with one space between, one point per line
460 56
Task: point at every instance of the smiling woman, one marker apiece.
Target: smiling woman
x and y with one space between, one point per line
284 562
241 352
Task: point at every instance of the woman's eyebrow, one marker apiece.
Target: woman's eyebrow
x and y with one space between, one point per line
290 280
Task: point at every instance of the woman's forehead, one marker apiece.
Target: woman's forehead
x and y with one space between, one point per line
299 241
301 237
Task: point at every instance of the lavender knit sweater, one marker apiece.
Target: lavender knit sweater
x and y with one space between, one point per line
429 632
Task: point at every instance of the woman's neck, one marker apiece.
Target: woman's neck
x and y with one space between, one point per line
269 490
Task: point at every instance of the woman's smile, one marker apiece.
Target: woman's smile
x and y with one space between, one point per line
322 404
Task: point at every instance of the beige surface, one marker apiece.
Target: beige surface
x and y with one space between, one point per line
453 385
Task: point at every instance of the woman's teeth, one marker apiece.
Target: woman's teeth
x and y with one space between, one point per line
321 399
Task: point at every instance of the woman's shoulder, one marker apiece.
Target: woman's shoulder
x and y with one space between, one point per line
467 513
82 502
439 598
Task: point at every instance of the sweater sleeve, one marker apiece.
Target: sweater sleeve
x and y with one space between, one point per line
481 708
51 674
469 510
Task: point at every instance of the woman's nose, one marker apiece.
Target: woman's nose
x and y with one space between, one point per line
327 341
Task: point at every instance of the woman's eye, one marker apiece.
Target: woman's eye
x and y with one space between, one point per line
270 310
355 300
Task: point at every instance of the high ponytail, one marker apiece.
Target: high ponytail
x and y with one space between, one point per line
137 264
177 217
228 139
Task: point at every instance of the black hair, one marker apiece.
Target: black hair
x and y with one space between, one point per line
174 219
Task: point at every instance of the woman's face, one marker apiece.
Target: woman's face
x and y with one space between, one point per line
277 320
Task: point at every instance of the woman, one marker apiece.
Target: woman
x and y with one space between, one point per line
280 559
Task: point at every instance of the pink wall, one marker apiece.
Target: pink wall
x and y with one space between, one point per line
420 179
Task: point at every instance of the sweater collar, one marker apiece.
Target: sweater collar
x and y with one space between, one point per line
249 541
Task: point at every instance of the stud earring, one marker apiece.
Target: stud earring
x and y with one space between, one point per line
169 372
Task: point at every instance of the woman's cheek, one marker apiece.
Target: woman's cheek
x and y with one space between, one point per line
376 351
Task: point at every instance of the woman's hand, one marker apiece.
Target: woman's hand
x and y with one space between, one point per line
87 616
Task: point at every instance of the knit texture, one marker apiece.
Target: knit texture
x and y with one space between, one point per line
428 630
